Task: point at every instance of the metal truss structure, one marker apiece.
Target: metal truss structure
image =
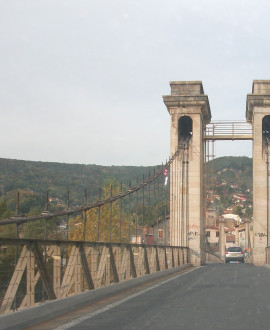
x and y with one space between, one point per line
47 270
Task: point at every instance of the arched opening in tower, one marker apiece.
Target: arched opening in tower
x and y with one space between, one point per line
266 130
184 129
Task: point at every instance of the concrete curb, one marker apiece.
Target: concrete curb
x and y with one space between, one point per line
45 311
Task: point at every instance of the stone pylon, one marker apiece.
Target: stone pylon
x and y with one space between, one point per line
258 113
190 112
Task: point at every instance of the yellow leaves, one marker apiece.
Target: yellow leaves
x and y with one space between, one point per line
103 224
106 223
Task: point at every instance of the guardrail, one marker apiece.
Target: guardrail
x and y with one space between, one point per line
228 130
42 270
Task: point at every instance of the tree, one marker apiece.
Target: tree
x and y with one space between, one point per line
5 213
107 223
238 210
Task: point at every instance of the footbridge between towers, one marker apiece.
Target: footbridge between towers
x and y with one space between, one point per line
228 130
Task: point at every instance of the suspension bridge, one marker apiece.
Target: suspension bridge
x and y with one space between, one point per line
152 230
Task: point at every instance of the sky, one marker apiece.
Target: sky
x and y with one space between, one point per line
81 81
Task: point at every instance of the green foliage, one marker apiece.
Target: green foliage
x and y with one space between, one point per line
238 210
234 170
5 212
35 179
237 163
111 226
231 176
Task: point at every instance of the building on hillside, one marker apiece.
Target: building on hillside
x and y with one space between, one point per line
212 237
231 220
222 184
161 231
240 196
244 235
228 210
142 235
230 240
210 217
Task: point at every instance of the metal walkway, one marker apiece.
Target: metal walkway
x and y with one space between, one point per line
228 130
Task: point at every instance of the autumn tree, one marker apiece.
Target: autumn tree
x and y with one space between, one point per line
107 223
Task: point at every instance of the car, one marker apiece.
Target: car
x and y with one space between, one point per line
234 254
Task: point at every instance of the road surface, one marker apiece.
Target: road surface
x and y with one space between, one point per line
220 296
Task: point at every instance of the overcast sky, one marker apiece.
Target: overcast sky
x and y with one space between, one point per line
81 81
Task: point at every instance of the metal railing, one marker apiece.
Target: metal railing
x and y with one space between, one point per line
228 130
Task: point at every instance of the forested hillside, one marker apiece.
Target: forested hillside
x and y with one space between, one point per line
231 184
35 179
234 170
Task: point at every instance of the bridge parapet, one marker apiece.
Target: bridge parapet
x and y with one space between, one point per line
47 270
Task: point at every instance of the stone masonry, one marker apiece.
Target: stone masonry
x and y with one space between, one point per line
258 106
187 228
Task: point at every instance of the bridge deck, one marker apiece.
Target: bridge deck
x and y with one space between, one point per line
220 296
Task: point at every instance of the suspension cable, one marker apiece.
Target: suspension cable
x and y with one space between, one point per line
112 199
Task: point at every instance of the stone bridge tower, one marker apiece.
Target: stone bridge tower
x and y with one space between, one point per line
258 113
190 112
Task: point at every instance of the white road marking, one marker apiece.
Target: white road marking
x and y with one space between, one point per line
110 306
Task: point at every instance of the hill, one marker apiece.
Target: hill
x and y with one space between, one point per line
35 179
234 170
231 185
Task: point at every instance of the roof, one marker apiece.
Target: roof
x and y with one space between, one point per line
212 227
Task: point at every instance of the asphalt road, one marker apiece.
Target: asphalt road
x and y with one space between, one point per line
220 296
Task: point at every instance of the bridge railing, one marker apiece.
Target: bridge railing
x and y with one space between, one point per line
40 270
228 130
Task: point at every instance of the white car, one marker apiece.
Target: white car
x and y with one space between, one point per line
234 254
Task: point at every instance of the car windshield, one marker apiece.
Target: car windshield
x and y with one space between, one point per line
234 249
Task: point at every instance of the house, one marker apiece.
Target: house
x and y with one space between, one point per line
231 219
212 237
239 198
161 231
210 216
230 240
142 235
